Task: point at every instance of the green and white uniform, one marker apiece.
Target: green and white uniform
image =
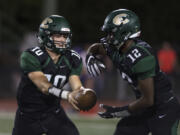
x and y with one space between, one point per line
30 99
138 63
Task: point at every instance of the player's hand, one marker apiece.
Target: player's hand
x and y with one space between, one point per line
72 100
113 112
94 66
104 41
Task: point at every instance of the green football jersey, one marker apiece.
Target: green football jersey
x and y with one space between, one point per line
140 62
37 59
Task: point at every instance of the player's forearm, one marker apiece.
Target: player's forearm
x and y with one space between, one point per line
140 105
75 82
43 85
146 87
40 81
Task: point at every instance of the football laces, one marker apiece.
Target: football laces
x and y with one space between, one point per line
87 89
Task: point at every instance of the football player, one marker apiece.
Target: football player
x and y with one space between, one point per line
155 109
46 69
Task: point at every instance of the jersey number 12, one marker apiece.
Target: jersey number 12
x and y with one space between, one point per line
134 55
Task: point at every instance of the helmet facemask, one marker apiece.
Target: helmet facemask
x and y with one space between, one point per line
55 25
116 38
63 46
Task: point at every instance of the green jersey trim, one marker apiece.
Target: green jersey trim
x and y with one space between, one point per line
77 71
29 63
47 62
67 62
74 71
145 68
144 49
175 130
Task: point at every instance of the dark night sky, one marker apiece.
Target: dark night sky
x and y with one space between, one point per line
159 18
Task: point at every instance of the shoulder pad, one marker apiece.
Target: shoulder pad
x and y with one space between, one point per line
142 44
36 51
75 54
39 53
75 61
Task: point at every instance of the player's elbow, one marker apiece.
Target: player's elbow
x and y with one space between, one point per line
149 102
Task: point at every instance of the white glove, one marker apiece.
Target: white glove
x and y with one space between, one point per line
94 66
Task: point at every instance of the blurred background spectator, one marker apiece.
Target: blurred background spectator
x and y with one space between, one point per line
167 58
168 61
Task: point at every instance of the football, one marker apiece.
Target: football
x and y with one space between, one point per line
86 99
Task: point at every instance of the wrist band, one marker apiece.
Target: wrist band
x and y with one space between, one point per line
64 94
58 92
54 91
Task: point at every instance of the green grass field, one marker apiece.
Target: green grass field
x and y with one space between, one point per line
87 125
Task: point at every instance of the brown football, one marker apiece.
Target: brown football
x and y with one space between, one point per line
86 99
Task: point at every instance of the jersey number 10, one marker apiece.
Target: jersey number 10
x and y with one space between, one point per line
58 80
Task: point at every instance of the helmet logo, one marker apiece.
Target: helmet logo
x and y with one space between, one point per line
65 29
45 23
120 19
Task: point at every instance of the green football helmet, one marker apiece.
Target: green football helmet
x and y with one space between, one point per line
121 25
54 24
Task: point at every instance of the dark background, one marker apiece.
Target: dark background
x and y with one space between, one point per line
159 19
160 22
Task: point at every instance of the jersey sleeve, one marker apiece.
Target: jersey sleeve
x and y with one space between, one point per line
29 63
145 67
76 63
